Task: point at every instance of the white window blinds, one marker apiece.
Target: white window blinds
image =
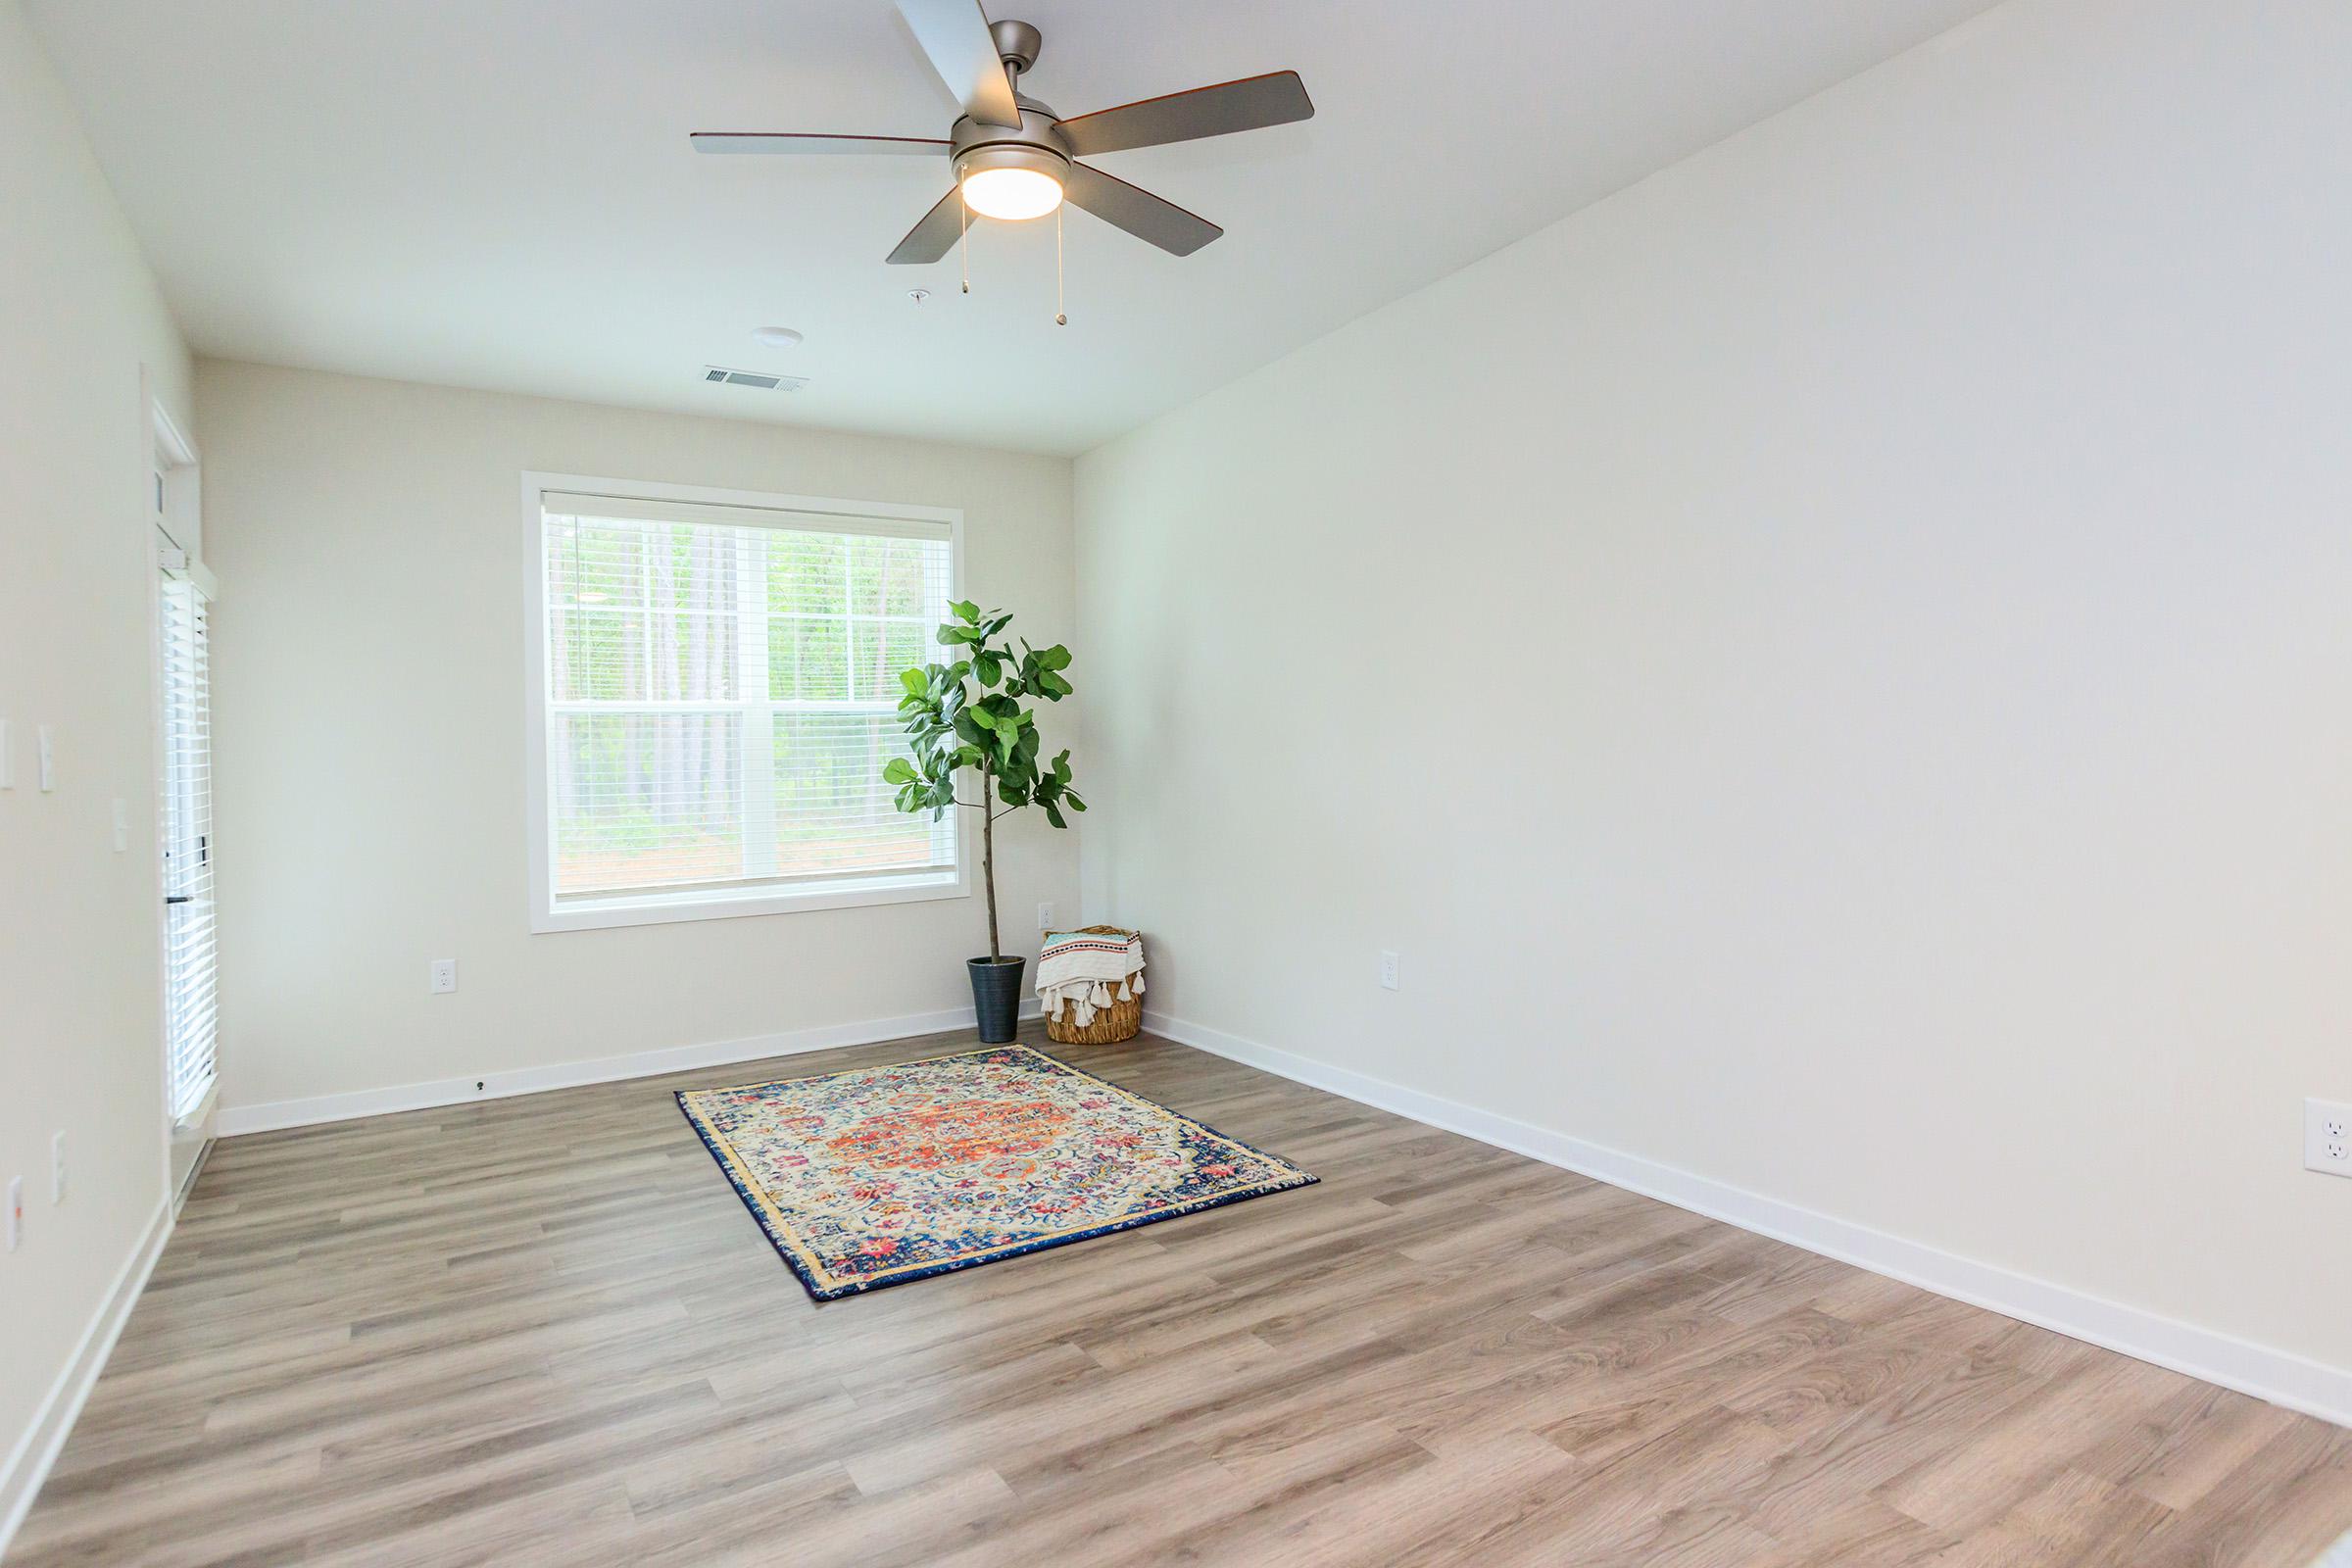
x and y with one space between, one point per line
189 1019
721 686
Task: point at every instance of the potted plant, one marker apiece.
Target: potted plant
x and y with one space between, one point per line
971 714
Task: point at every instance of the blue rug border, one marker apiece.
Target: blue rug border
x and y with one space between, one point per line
817 1292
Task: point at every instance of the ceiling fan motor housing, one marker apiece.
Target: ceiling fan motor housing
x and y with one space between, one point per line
1039 144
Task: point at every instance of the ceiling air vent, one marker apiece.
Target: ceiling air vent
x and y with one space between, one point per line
766 383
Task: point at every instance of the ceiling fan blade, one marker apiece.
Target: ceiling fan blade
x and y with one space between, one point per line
1140 213
1274 99
792 141
955 35
934 235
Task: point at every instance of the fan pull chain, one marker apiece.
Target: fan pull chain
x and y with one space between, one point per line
1059 317
963 237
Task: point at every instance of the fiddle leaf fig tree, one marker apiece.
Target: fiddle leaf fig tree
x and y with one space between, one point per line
975 714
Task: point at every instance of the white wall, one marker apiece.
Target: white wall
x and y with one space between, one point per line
81 1046
1834 666
369 723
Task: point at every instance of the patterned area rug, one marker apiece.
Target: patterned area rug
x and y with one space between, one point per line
889 1174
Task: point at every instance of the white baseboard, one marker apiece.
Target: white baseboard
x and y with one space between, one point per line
272 1116
2274 1375
29 1462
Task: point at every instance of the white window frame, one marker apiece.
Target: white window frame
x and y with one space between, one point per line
699 902
176 513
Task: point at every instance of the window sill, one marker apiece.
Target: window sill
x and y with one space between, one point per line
595 915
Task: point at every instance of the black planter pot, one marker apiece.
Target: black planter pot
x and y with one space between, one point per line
997 997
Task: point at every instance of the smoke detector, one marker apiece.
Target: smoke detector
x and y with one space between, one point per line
719 374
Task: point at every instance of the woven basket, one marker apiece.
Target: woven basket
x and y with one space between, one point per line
1119 1022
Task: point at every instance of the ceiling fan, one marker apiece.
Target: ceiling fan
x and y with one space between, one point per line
1015 158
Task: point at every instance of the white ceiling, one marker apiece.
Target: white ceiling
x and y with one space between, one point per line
499 193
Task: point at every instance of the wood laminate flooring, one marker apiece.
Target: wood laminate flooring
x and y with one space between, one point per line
544 1329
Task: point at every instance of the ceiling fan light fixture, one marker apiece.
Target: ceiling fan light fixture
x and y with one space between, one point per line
1016 159
1013 194
1012 183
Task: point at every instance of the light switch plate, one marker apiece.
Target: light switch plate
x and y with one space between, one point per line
48 742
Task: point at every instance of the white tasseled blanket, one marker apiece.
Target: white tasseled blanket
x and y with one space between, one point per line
1088 972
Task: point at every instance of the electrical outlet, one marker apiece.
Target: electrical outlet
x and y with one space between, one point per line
2328 1137
121 826
47 745
1045 917
57 1168
445 975
16 1211
1387 970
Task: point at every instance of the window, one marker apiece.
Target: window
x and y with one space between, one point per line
714 690
190 1018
